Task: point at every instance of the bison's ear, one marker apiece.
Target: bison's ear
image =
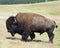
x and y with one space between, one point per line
15 22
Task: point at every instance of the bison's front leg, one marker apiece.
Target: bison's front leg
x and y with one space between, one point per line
27 32
25 36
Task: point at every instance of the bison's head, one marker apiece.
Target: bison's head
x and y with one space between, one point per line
13 27
10 25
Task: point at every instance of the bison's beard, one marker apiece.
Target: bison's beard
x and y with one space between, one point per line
13 34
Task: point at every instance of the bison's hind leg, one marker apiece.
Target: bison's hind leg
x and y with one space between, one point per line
32 36
51 36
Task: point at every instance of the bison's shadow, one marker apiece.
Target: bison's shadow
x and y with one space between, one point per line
14 38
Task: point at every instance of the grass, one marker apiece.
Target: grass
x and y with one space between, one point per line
49 9
57 38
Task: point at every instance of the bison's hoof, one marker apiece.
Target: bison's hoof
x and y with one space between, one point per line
50 41
24 39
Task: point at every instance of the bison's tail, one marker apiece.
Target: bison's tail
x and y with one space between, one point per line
56 26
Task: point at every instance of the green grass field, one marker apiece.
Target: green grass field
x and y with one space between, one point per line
50 9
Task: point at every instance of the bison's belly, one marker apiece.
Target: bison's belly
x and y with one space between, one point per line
38 29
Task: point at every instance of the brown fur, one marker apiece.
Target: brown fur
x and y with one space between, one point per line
32 22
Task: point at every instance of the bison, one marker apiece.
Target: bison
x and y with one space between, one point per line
13 28
32 22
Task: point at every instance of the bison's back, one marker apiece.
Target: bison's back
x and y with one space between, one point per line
34 21
27 17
